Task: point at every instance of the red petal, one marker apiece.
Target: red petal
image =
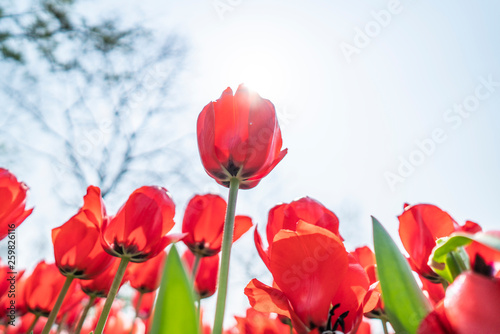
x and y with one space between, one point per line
260 248
472 302
263 298
302 264
241 225
419 228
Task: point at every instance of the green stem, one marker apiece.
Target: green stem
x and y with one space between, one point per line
227 242
455 264
291 328
84 314
137 308
444 283
115 286
384 326
196 265
37 316
57 306
61 324
198 308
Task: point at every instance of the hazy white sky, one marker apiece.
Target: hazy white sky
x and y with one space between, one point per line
366 92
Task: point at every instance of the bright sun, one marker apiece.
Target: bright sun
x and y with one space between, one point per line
263 69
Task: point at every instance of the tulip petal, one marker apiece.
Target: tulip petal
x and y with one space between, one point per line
263 298
302 261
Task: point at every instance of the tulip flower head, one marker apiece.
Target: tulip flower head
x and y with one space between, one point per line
146 276
42 288
138 231
204 222
287 216
205 282
312 271
100 285
239 137
77 247
419 228
12 202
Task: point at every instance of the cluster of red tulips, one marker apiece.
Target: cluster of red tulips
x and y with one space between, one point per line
448 283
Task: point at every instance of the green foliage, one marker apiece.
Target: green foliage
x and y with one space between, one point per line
404 302
449 259
175 310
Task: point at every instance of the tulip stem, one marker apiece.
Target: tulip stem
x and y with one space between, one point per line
84 314
227 241
291 328
384 326
57 305
115 286
137 309
37 316
197 259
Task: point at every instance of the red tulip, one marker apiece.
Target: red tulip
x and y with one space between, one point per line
26 321
77 247
364 328
12 202
257 323
472 304
101 284
489 255
138 231
117 323
205 282
311 270
350 296
435 322
239 136
146 277
419 228
146 306
204 222
42 288
286 216
10 292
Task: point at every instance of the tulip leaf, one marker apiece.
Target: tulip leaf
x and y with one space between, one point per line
455 243
404 302
175 310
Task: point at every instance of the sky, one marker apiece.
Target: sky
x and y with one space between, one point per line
380 103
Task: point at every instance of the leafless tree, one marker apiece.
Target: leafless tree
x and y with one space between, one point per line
94 100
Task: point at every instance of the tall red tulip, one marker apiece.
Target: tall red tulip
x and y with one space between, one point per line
77 248
204 222
12 202
205 282
145 277
138 231
286 216
239 136
311 269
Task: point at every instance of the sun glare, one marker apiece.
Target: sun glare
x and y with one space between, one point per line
262 69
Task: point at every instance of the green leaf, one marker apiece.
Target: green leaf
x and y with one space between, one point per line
404 302
455 242
175 310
